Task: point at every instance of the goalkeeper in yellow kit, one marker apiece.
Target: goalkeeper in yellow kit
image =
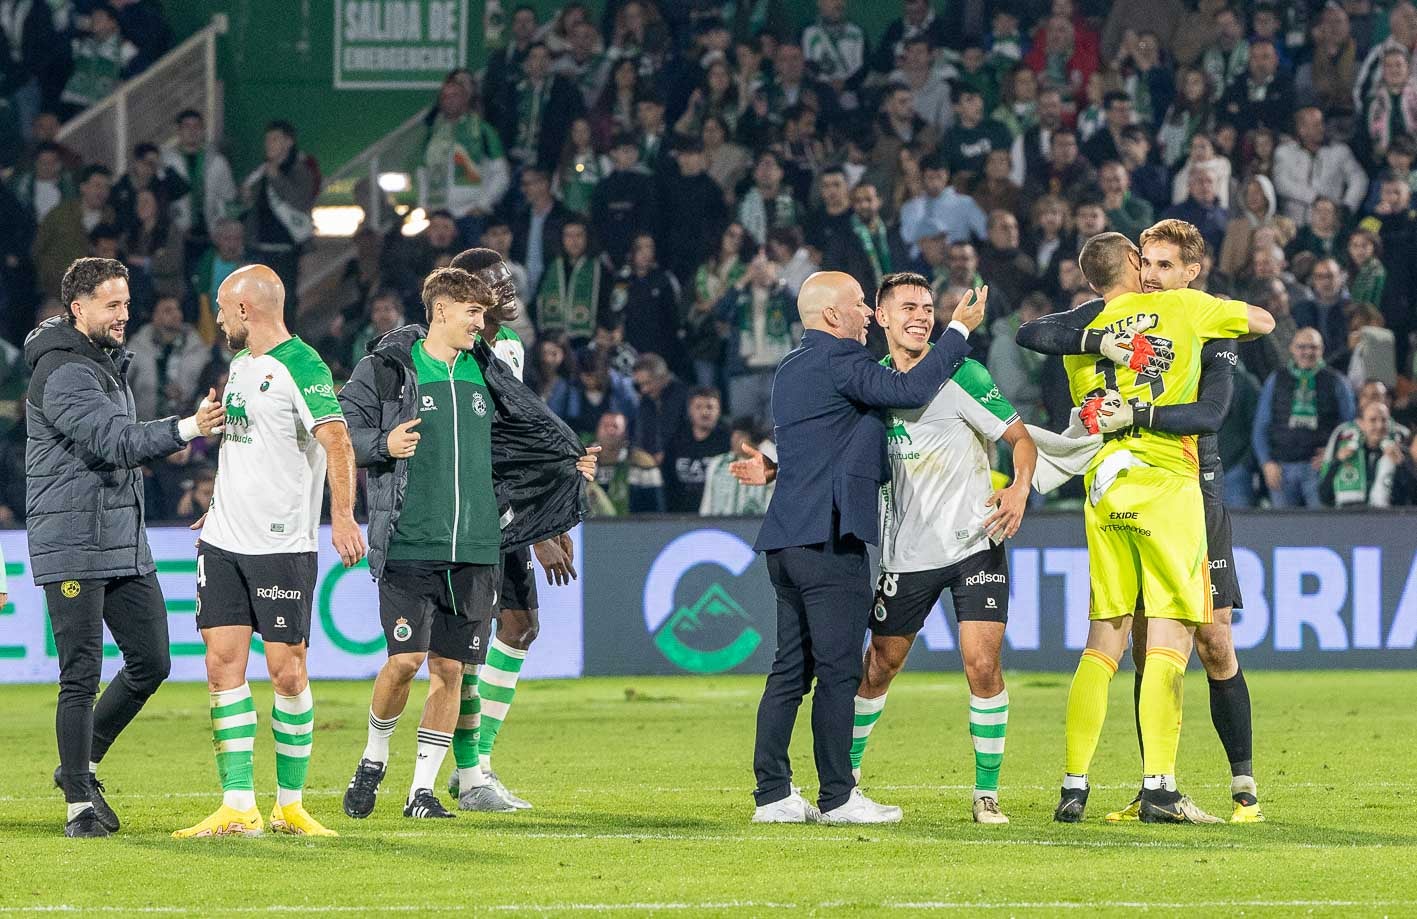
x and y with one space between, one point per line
1145 525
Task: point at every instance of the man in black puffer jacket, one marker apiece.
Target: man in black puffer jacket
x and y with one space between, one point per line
85 521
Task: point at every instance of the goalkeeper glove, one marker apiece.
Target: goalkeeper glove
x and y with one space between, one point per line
1129 347
1107 413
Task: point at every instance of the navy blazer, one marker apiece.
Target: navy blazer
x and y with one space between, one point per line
831 447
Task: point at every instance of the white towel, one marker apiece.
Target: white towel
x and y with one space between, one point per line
1062 456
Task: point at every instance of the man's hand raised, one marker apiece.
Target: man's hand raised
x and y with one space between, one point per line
969 312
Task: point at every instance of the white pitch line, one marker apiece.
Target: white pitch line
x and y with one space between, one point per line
730 789
1202 843
916 906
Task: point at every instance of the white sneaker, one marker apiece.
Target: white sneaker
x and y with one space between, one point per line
861 809
986 810
792 809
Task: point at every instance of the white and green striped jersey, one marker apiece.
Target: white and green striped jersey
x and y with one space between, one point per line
933 512
271 470
508 346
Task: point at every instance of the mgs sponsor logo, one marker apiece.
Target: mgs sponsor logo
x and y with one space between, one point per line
276 592
984 577
320 389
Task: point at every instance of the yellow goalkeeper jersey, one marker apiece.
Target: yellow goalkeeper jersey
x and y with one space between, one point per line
1183 320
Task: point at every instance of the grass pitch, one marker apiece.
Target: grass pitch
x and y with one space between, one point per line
642 793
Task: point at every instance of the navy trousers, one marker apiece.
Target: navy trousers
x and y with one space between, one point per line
823 605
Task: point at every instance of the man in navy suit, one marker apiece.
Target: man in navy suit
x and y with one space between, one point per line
831 463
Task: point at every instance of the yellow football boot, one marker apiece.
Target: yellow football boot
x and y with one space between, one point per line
1128 814
1247 813
227 821
293 819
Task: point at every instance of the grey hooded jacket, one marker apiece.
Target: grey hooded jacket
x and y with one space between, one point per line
84 503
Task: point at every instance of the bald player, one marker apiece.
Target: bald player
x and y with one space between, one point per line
832 463
256 559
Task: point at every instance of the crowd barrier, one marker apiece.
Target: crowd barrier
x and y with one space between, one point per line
688 595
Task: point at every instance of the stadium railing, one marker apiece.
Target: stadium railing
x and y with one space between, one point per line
370 189
142 109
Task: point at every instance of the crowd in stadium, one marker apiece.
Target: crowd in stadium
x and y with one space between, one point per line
665 176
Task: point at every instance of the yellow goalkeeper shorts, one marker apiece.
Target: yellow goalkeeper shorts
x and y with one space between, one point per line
1146 540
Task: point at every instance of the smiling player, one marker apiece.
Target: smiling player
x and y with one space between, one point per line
1170 260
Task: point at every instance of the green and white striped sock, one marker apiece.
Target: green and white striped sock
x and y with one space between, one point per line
868 712
988 721
293 724
465 736
234 739
497 685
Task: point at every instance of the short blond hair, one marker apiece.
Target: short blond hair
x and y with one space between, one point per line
1184 236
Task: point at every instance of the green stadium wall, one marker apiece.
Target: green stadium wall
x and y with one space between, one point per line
277 61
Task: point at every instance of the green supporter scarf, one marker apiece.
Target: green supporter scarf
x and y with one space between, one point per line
710 283
618 488
1304 403
474 136
570 304
530 101
1350 482
1368 283
776 328
877 249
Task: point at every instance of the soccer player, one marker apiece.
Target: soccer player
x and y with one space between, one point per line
1171 255
1144 519
436 560
487 693
257 555
87 542
433 528
938 534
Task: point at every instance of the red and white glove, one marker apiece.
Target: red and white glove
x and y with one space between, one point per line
1105 413
1129 347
